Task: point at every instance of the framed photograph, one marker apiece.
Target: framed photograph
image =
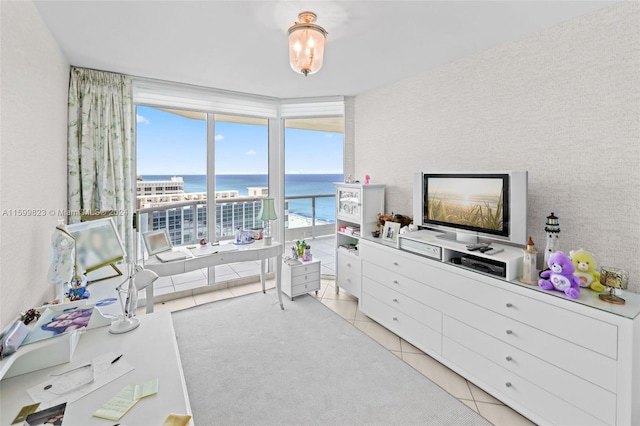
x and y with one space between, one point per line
156 241
49 416
98 244
390 232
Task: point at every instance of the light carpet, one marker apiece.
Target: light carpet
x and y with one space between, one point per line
246 362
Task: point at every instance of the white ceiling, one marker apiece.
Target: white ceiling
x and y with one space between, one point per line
242 45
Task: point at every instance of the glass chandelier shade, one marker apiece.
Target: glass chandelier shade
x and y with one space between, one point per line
306 44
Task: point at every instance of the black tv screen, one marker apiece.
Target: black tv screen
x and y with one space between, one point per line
473 202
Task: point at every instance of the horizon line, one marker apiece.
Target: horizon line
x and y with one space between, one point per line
234 174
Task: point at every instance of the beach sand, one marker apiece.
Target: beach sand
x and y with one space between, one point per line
298 221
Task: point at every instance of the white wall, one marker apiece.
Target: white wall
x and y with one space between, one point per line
563 104
33 154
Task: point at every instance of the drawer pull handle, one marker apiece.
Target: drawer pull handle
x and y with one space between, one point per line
395 263
508 384
395 300
508 358
509 332
395 281
349 265
395 318
509 305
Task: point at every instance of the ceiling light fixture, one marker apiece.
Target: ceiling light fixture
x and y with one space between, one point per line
306 44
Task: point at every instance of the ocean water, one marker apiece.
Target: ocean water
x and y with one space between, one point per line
294 184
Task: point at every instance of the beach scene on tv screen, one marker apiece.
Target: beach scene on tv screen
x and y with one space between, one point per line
470 202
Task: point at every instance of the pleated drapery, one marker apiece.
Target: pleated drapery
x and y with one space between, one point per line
100 147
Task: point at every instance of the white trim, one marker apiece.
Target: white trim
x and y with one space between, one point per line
158 93
314 107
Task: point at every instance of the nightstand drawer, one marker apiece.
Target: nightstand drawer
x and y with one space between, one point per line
305 269
306 278
305 288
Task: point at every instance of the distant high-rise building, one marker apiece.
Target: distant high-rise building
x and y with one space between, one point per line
188 223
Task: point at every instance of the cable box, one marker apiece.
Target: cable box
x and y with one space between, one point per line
488 266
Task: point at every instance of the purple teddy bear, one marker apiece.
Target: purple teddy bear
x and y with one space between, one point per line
560 276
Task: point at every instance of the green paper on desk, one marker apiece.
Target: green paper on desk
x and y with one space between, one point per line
129 396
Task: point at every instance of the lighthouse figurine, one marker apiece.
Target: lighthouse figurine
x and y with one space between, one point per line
529 271
552 229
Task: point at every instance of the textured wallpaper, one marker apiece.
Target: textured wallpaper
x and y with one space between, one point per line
563 103
33 155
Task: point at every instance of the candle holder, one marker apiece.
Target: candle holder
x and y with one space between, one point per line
613 278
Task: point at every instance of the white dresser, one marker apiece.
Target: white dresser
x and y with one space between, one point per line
300 278
555 360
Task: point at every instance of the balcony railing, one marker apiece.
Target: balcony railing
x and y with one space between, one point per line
186 221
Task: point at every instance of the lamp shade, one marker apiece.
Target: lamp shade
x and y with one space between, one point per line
306 44
144 278
268 211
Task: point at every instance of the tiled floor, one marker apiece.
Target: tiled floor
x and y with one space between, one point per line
347 307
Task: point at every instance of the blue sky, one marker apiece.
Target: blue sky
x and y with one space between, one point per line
169 144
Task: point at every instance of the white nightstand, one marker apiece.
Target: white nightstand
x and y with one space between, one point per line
300 278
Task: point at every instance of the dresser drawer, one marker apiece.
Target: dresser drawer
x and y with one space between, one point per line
515 390
349 273
407 265
412 331
305 269
585 331
566 355
393 260
407 286
586 396
416 310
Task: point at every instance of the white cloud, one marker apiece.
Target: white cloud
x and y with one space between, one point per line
251 152
328 135
219 137
142 119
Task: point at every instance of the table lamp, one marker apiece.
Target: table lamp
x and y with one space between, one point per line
613 278
139 279
267 214
63 261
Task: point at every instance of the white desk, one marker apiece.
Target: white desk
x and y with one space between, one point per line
207 256
151 349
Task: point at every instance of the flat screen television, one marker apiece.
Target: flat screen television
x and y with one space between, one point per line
473 206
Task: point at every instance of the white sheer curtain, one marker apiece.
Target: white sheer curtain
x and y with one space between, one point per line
100 147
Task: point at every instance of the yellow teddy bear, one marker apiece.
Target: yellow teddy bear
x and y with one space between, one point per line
585 265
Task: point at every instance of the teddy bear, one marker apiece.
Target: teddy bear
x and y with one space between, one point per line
560 276
585 265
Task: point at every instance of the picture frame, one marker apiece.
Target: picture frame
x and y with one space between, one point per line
390 232
97 244
157 241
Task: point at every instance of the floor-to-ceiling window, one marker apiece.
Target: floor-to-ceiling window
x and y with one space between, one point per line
171 152
314 160
173 166
241 172
244 157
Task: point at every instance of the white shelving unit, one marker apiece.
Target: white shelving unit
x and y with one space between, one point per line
357 208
